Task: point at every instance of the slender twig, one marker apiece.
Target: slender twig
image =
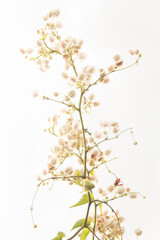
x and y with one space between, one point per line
93 233
74 235
51 50
83 133
108 139
81 119
68 105
125 194
89 204
116 70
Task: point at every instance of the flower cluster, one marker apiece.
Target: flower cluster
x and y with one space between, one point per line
108 226
74 141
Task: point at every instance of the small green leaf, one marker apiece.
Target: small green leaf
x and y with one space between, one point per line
80 223
85 233
84 199
61 234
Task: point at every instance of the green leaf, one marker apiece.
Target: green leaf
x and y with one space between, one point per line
56 238
85 233
61 234
80 223
84 199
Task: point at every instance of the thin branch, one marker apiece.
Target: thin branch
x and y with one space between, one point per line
125 194
68 105
93 233
116 70
51 50
74 235
108 139
95 218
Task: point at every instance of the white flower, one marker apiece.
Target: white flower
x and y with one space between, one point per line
120 190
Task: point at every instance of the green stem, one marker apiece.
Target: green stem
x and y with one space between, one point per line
68 105
93 233
76 233
83 133
95 218
51 50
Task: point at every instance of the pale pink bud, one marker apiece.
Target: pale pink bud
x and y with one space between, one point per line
56 94
94 153
119 63
59 24
96 104
22 50
80 42
68 170
72 93
97 134
108 152
105 79
111 68
133 195
53 161
39 43
29 50
35 93
54 13
73 79
81 77
91 70
39 178
45 18
91 96
136 51
115 130
66 56
61 141
120 190
117 57
111 188
138 232
128 189
64 75
131 52
75 126
114 124
51 39
91 139
54 118
82 56
100 190
44 172
104 124
63 44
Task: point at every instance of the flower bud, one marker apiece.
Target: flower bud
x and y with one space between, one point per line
87 185
138 232
111 188
120 190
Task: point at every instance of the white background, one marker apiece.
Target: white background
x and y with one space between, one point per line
132 98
